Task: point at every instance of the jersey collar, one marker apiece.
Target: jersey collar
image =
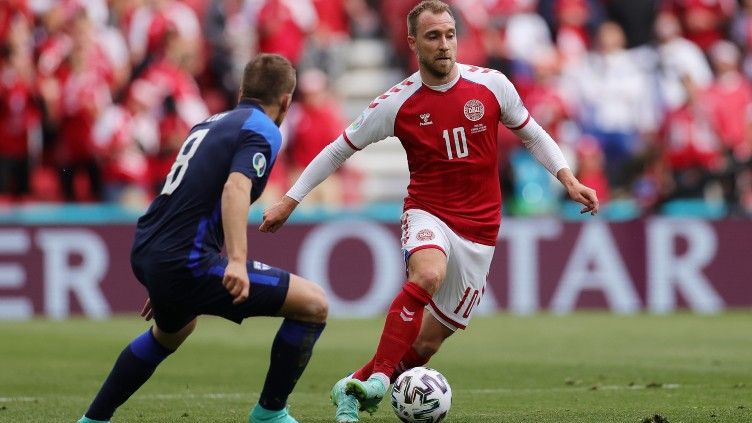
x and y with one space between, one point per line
246 104
445 87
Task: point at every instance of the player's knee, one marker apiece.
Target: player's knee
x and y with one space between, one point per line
428 279
174 340
317 305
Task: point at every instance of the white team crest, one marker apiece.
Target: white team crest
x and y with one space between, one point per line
474 110
425 119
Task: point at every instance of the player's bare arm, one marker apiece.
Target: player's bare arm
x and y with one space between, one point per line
236 199
276 215
579 192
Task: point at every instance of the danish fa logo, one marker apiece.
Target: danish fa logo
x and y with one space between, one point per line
474 110
425 235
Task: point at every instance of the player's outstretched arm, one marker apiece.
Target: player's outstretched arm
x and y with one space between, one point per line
579 192
236 200
276 215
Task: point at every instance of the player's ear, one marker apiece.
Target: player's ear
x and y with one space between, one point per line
285 102
411 43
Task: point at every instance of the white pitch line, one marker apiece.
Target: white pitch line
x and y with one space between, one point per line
17 399
210 395
580 387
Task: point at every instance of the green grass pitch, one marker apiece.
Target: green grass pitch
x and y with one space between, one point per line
586 367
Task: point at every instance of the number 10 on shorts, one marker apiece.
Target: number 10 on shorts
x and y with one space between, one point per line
474 300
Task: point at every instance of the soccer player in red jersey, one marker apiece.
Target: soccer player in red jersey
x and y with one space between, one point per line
446 116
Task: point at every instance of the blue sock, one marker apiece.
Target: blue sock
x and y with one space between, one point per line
133 367
291 350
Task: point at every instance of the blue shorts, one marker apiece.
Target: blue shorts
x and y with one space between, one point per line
176 300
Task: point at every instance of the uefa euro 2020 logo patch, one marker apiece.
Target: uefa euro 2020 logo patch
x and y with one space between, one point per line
474 110
259 163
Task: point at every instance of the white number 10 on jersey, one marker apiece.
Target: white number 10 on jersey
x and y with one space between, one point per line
460 143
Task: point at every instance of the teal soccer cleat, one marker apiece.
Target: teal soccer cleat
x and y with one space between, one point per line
85 419
260 414
368 393
347 405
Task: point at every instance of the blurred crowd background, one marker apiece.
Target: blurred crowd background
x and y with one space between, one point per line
649 99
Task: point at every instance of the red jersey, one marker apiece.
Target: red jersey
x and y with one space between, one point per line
450 136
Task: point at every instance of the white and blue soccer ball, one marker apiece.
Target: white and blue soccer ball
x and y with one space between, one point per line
421 395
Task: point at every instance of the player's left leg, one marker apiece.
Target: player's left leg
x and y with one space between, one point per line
135 365
430 338
305 311
432 335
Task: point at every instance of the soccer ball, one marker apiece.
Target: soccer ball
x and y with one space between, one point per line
421 395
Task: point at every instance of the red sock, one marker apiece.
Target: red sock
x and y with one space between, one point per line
402 325
364 372
409 360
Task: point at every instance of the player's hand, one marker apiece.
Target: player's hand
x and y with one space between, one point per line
236 281
146 312
276 215
586 196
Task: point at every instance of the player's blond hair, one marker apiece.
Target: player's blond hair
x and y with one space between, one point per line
434 6
266 78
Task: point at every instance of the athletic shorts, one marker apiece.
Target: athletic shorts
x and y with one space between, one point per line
176 300
468 263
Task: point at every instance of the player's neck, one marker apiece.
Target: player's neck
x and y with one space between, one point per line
438 83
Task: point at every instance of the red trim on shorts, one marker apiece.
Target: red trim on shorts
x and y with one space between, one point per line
523 123
445 317
347 140
423 247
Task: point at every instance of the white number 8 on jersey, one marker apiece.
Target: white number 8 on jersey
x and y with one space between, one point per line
187 150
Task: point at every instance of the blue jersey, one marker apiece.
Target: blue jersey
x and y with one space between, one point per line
182 229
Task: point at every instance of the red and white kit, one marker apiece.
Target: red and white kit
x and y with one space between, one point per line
449 133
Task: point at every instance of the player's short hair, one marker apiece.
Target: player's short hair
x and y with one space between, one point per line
266 78
434 6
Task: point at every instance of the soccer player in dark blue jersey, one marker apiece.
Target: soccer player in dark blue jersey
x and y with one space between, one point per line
219 171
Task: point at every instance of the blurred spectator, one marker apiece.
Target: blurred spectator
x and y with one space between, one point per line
156 20
125 169
612 94
313 123
19 117
364 21
231 41
590 168
690 145
730 97
84 95
524 34
678 58
730 101
326 47
572 36
703 20
636 17
283 26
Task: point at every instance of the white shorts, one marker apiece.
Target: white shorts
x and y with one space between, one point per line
468 263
